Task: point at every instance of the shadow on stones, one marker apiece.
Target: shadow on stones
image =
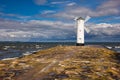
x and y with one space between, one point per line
53 76
117 56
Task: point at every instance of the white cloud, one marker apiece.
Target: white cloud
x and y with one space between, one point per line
12 30
110 7
104 29
110 4
59 2
53 24
9 15
34 29
48 11
45 29
71 4
40 2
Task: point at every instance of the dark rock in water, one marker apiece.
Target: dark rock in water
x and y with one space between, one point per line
64 63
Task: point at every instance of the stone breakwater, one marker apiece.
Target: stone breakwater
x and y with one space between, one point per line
64 63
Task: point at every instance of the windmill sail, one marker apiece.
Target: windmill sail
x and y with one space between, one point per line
86 29
87 18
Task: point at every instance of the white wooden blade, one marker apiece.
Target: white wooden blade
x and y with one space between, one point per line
75 18
87 18
86 29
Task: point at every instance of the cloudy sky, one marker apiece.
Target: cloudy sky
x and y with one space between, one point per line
53 20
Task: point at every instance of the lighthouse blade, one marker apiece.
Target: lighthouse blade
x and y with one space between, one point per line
86 29
87 18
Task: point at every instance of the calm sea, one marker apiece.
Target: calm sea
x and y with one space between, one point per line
10 50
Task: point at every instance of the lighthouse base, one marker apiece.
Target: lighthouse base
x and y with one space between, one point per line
80 44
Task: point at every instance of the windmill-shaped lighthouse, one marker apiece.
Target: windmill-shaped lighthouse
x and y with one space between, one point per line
80 30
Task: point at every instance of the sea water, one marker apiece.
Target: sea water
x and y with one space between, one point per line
11 50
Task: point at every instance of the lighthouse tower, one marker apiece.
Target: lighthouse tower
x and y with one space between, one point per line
80 31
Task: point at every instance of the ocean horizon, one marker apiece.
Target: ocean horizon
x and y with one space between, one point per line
16 49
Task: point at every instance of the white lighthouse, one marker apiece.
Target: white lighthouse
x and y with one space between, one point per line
80 31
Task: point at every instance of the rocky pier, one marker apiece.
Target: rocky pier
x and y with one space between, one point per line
64 63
